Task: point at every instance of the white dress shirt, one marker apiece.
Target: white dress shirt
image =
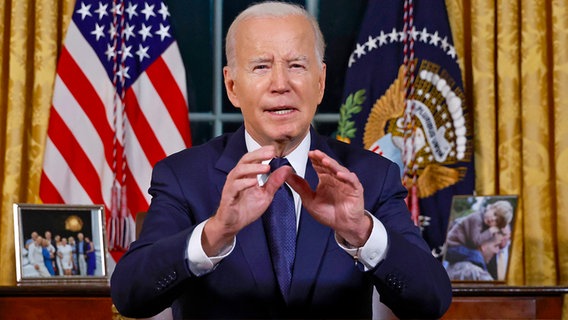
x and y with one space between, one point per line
370 254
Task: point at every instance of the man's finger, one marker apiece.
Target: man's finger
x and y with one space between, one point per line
277 178
259 155
324 163
301 186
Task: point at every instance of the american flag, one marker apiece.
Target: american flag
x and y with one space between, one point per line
119 105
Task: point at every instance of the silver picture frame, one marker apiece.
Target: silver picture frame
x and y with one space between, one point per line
480 238
60 244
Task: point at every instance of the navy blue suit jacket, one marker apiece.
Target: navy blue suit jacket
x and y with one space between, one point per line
186 190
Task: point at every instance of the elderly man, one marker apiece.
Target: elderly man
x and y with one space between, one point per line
36 257
230 235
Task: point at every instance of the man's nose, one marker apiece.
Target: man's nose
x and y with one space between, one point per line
280 79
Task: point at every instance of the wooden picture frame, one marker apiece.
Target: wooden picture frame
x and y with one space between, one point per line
59 260
479 238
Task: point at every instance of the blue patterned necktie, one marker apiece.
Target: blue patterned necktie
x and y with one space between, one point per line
280 227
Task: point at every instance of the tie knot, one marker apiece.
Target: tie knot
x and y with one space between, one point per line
277 163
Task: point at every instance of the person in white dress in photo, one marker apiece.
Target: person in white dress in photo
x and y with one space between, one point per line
65 254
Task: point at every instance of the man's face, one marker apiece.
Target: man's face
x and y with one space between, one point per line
506 232
277 81
491 247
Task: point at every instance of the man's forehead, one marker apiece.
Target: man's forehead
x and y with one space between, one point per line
271 26
271 19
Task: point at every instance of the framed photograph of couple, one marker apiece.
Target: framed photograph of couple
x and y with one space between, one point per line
479 238
59 244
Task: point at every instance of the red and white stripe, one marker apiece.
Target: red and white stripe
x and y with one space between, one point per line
78 160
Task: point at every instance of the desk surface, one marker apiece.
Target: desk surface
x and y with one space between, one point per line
471 301
102 290
477 289
56 290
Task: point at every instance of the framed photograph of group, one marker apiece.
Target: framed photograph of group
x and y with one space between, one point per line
59 244
479 239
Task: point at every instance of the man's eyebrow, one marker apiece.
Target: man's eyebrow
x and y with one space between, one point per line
260 60
302 58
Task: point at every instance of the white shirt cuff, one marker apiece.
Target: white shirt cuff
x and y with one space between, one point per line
374 250
199 262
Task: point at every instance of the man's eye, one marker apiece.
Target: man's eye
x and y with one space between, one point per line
260 67
297 66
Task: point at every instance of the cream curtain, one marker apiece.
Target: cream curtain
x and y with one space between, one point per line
31 35
515 61
515 66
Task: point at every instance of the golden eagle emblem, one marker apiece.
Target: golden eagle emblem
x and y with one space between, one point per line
438 140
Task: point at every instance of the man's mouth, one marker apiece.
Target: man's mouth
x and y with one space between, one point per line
281 111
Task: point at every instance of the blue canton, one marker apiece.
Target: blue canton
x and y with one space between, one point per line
127 36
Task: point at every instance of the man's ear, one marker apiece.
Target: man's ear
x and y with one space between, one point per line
230 86
321 82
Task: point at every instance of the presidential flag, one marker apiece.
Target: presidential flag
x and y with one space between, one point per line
404 99
119 105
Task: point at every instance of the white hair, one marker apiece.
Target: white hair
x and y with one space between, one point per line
273 9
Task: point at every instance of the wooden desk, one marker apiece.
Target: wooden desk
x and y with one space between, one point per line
505 302
469 302
56 302
491 301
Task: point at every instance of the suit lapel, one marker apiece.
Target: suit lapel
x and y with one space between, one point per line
250 240
312 242
251 243
234 149
313 237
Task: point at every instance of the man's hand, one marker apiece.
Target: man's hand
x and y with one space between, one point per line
242 200
337 201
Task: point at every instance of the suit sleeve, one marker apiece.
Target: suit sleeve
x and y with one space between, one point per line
409 280
148 278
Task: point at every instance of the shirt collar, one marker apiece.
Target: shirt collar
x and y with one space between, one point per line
298 158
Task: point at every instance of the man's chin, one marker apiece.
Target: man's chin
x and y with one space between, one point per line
288 134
